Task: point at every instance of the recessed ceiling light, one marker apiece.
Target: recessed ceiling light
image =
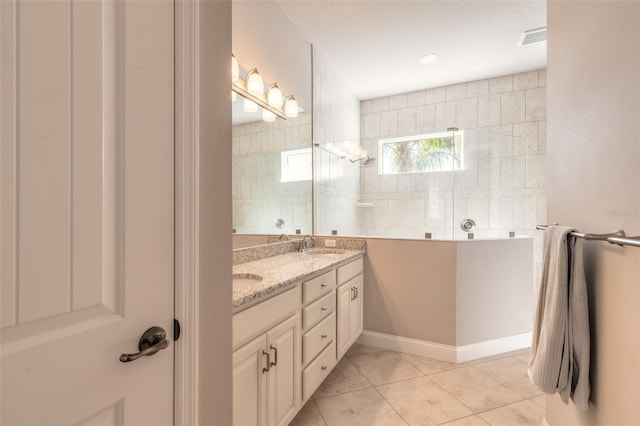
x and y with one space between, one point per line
429 58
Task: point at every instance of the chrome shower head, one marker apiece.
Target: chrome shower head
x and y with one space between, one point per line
368 161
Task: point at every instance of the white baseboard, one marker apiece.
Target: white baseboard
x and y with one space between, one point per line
442 352
408 346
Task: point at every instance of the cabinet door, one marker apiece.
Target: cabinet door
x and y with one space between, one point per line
283 343
250 384
344 295
356 324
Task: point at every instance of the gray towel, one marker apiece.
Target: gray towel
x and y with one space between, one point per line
559 360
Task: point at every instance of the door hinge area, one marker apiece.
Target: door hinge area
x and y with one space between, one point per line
176 329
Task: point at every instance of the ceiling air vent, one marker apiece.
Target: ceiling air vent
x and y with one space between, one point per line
534 36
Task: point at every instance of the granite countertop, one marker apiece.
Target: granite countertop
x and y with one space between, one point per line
282 272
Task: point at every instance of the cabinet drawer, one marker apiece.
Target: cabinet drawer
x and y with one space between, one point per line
318 286
350 270
318 338
322 308
256 319
318 370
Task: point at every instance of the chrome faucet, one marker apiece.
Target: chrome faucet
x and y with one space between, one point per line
303 244
285 236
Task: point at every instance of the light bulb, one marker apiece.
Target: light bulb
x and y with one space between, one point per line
291 107
255 84
250 106
268 115
234 96
274 96
235 69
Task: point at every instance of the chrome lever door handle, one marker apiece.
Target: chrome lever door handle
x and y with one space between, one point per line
152 341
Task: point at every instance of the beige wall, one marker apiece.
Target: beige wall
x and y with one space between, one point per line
593 176
409 289
452 293
215 258
264 37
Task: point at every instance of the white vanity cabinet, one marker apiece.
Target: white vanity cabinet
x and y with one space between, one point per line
349 305
266 370
285 346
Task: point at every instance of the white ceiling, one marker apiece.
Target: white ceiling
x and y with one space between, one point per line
375 46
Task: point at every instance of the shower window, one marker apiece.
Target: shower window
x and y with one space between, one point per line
421 153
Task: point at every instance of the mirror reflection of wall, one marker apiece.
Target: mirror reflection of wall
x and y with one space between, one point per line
271 173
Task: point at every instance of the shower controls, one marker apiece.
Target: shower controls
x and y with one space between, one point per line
467 225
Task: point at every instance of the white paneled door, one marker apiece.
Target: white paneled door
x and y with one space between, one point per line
87 210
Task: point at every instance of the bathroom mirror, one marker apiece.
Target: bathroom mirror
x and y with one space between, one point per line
271 160
271 173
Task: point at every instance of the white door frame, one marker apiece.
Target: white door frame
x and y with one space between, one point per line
203 360
186 212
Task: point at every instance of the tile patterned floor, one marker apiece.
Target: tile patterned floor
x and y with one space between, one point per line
372 386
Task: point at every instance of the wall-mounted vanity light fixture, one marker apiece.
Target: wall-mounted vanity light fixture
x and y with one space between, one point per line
252 88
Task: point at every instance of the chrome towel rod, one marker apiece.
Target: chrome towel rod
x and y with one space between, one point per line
618 237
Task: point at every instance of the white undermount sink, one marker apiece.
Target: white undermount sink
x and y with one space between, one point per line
244 280
316 251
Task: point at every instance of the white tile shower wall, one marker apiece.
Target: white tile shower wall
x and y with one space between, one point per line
259 198
336 112
502 187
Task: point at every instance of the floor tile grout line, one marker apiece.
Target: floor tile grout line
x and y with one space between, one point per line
392 407
361 373
435 372
465 417
505 405
359 390
543 406
503 383
402 380
454 397
342 393
473 413
484 411
319 411
374 385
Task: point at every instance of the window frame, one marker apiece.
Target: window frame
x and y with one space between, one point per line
456 134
